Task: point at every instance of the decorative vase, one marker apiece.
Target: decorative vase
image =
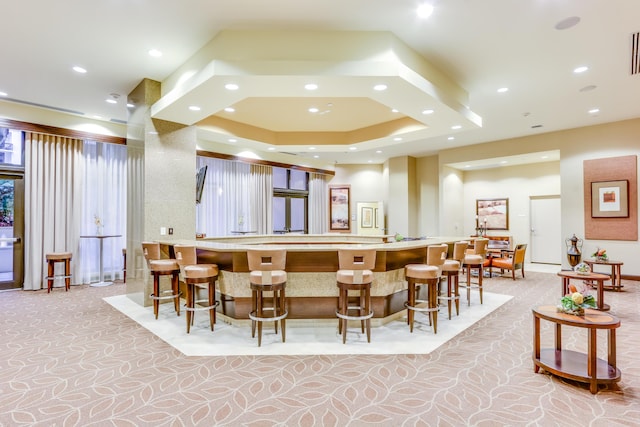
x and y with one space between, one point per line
574 255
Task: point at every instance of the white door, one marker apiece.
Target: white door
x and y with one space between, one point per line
546 240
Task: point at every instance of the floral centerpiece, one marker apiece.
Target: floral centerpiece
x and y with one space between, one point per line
575 302
600 255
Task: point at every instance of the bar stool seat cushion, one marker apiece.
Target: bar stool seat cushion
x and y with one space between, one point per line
268 277
163 265
421 271
200 271
473 259
354 277
59 256
451 265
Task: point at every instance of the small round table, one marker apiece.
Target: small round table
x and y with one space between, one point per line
616 275
571 364
596 278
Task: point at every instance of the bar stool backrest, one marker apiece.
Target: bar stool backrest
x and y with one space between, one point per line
480 246
266 259
459 250
436 254
356 259
185 255
151 251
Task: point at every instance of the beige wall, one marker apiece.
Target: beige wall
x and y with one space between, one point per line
365 181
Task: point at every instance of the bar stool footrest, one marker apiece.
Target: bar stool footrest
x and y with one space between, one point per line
422 309
209 307
254 317
348 317
164 297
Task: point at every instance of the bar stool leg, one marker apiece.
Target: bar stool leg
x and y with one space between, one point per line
212 299
457 293
480 274
189 299
175 287
283 308
433 304
411 289
156 292
367 299
276 310
67 274
50 271
345 310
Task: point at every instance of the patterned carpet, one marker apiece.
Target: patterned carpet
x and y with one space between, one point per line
71 359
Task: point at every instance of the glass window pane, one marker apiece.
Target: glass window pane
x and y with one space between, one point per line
298 180
279 214
10 147
279 177
297 214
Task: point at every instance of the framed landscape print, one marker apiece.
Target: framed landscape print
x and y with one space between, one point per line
339 209
493 214
610 199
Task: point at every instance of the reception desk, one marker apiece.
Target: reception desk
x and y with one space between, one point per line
312 262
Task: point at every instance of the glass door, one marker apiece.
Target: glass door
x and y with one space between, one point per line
11 231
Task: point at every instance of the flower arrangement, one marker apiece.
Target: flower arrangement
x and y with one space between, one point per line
600 254
575 302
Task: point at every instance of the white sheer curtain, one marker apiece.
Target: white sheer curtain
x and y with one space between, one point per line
318 203
261 186
226 200
53 210
104 198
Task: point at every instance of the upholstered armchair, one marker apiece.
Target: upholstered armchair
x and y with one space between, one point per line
513 262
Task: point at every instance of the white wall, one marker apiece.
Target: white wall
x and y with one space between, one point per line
517 183
366 185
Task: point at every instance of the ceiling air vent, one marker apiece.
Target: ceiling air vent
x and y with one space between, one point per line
635 53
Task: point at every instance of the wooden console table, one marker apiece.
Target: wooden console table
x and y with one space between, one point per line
571 364
616 274
596 278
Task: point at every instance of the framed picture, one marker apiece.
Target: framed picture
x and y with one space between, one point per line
366 217
492 214
610 199
339 208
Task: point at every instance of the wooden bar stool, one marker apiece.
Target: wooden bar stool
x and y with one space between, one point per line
355 274
267 275
197 276
425 274
52 259
162 267
451 269
474 259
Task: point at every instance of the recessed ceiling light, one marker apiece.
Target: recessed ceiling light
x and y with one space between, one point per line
503 90
456 127
312 148
311 86
4 94
378 151
427 112
397 138
97 117
380 87
313 110
194 108
232 140
395 110
353 148
594 111
451 138
467 166
155 53
503 162
424 10
369 161
315 156
111 101
79 70
567 23
129 105
230 109
580 69
544 157
231 86
271 148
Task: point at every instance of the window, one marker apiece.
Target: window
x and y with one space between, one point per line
290 200
11 147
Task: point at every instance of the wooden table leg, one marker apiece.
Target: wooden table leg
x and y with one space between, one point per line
536 342
592 369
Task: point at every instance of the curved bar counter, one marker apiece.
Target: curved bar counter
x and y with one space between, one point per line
312 262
